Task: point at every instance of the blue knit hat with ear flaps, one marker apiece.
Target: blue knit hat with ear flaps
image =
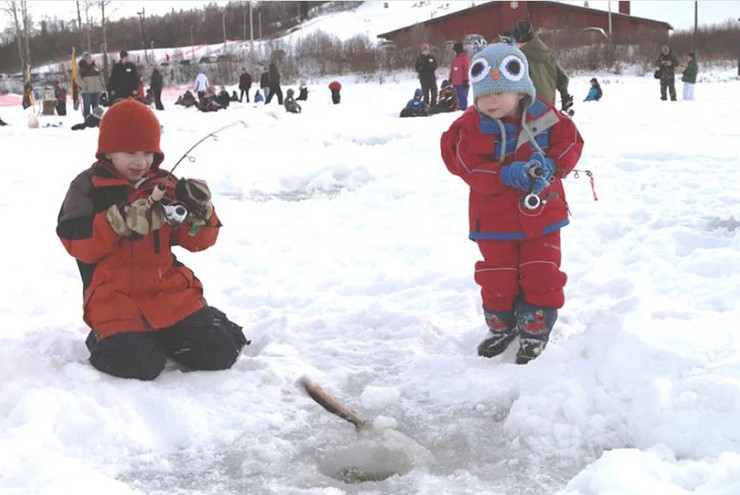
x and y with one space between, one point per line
501 68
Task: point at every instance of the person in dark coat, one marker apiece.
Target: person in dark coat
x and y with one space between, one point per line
91 120
335 87
186 100
426 65
124 80
223 98
245 83
302 92
60 94
447 101
156 87
290 104
265 82
667 63
275 89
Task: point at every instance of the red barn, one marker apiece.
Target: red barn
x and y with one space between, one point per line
566 21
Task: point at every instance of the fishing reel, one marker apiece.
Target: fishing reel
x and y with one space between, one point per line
532 201
174 213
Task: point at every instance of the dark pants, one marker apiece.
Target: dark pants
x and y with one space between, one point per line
158 99
275 91
335 96
429 90
668 85
243 93
62 108
205 340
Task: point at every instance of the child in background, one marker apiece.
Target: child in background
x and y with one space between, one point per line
594 92
689 76
447 99
258 98
142 304
416 107
513 149
60 94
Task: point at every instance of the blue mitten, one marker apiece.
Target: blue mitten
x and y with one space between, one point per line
545 170
516 175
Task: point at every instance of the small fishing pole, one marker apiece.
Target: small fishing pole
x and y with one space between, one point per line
213 134
176 212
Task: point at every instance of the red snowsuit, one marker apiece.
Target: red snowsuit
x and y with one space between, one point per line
520 247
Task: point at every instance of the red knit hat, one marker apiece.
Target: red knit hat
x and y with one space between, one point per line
129 126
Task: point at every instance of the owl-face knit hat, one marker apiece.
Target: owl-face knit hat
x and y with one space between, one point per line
501 68
129 126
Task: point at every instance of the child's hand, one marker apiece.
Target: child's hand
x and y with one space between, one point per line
197 197
516 175
543 169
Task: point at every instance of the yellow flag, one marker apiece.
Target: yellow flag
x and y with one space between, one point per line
73 82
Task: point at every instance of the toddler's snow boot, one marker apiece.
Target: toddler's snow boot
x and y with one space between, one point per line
534 324
502 327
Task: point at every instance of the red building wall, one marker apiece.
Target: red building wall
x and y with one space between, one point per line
493 18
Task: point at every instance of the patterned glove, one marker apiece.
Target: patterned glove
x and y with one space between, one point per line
196 195
543 169
138 217
516 175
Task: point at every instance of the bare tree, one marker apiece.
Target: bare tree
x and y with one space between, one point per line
11 7
102 4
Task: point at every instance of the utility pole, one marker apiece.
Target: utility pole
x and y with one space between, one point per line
141 15
251 24
223 24
192 44
696 20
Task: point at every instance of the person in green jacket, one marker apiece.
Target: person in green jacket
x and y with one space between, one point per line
544 70
689 76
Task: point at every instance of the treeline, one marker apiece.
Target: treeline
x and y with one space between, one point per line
51 40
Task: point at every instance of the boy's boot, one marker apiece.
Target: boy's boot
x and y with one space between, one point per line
502 327
534 324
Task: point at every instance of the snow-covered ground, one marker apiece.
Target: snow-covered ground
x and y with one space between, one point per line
344 255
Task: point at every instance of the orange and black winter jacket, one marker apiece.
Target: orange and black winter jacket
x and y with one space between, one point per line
136 284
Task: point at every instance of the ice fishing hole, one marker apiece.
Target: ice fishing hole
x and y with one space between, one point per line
364 463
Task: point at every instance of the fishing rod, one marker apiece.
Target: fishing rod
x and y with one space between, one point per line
176 212
213 134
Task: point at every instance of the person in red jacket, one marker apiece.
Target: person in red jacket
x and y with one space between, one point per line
513 150
459 74
141 303
335 87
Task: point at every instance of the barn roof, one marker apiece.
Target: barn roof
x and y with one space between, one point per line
565 7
